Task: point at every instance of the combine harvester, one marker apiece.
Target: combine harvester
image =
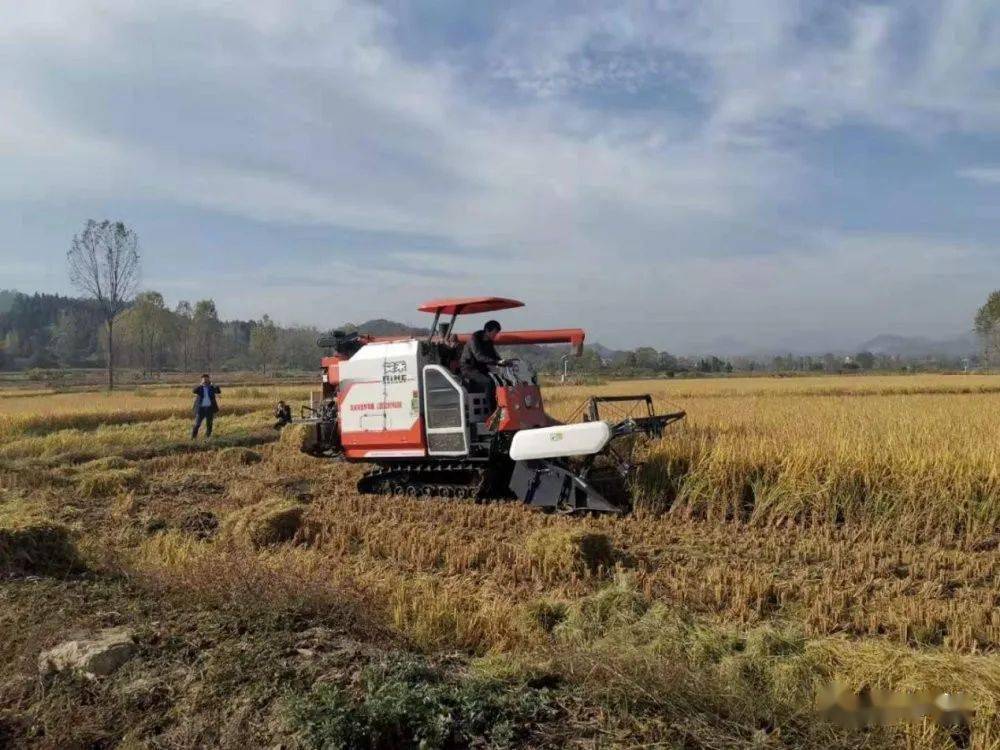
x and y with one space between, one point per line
399 404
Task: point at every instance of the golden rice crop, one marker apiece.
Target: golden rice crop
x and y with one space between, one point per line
921 457
789 531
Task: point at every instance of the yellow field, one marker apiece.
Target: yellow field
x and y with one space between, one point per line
790 532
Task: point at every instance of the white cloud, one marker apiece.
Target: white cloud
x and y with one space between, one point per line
406 151
665 217
988 175
764 66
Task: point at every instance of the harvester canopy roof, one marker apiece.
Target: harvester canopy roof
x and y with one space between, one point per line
468 305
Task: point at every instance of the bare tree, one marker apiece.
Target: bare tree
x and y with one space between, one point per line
104 265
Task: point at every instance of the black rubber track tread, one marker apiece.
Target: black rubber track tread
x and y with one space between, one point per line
461 479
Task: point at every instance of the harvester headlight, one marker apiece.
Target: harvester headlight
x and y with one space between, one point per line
529 400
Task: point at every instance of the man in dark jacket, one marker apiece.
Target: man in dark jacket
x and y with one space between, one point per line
478 357
205 405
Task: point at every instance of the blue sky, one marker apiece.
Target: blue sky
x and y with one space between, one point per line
801 174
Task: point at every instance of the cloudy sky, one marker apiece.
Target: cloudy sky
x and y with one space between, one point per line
781 173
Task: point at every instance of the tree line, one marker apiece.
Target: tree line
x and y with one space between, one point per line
49 330
647 362
987 328
150 336
113 324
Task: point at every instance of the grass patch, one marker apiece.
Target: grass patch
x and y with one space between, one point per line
405 702
257 583
264 524
564 549
108 463
239 455
612 607
109 482
687 682
31 543
547 614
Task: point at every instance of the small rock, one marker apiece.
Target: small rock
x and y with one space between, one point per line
96 656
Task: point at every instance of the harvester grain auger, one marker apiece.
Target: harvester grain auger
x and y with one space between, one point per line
398 404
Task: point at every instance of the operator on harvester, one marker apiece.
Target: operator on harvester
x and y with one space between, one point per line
478 357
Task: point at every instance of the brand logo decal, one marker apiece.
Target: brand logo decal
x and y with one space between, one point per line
394 371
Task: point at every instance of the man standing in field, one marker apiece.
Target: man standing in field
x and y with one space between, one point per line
205 405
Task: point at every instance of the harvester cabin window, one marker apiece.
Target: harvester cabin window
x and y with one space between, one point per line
444 401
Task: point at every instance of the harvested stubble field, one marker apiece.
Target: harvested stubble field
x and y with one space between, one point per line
791 532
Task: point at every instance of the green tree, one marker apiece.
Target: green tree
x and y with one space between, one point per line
987 327
7 297
72 337
667 362
865 360
205 329
183 314
234 344
147 329
103 264
714 364
588 361
264 342
647 357
12 344
297 348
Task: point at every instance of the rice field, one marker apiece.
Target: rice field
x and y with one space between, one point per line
791 532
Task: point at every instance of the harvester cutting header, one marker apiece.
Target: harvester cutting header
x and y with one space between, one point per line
402 404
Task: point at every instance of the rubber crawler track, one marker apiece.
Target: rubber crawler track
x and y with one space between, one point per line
463 480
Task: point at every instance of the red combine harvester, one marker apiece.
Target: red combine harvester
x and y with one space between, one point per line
399 403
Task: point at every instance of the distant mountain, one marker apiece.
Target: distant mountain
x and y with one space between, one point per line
816 343
919 346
